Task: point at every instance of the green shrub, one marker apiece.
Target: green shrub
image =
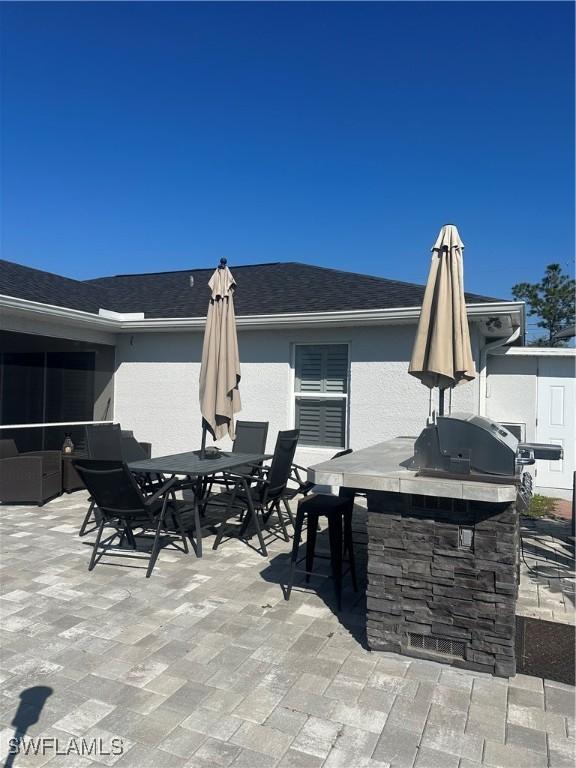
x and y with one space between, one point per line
542 506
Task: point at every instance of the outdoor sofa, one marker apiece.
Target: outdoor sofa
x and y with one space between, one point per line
32 477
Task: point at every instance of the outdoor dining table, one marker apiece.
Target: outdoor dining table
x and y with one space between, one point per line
193 471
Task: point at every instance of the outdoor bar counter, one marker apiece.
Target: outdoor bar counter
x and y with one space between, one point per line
443 559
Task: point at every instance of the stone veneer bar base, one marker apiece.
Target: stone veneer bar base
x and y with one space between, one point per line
431 598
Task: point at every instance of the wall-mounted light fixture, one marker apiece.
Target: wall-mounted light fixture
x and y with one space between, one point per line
465 537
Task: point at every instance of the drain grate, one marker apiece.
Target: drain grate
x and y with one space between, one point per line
443 646
545 649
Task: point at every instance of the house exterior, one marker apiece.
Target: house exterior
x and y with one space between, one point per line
321 349
534 390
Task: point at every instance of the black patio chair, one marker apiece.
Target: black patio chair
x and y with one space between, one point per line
250 438
108 442
256 496
303 487
104 441
123 506
300 486
131 449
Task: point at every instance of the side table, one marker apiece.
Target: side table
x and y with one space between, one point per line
71 480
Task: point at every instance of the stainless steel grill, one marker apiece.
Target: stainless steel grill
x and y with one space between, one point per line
463 444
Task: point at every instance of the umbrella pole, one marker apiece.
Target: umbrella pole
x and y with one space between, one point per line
441 402
203 446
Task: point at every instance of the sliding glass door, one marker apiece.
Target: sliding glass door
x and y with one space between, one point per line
51 381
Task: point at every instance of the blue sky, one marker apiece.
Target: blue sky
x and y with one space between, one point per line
158 136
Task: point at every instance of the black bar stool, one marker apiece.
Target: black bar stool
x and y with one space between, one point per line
338 510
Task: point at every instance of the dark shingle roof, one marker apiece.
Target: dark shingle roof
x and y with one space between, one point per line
47 288
278 288
263 289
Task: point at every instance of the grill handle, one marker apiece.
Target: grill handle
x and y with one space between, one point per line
548 451
525 456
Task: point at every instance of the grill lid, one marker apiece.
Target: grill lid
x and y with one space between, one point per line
464 444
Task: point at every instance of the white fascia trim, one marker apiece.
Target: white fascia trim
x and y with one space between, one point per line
536 352
349 317
118 323
42 425
120 316
52 312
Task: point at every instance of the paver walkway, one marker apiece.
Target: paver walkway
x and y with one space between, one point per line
205 665
547 581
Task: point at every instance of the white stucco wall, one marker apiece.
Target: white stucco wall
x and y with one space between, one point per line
512 396
511 391
156 385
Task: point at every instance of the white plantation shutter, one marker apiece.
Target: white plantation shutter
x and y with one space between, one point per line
322 370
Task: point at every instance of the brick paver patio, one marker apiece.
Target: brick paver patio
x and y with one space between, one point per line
547 584
205 665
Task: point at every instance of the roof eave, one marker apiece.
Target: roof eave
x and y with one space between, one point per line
122 323
52 311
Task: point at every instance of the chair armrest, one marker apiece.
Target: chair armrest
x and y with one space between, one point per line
22 460
161 491
247 484
260 469
295 475
257 467
146 447
51 460
249 480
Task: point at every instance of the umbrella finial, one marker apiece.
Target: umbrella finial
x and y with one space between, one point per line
223 263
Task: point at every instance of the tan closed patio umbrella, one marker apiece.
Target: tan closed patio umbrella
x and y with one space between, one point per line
220 370
442 356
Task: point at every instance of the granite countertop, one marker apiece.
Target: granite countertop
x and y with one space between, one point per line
383 467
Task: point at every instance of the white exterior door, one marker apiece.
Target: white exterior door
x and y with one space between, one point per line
556 420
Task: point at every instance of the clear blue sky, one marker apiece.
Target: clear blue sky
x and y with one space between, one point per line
157 136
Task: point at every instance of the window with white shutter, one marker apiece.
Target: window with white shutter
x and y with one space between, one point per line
321 392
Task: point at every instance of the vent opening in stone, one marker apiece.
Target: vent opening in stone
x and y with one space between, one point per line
440 645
